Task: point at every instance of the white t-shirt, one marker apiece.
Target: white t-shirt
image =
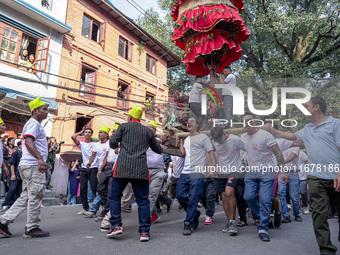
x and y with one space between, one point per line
257 146
100 149
112 156
177 166
230 80
292 165
33 129
195 95
154 159
283 144
196 148
229 156
86 152
301 163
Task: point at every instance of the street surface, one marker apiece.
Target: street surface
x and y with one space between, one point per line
75 234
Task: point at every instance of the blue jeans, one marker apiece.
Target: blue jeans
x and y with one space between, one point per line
71 199
293 189
141 192
96 204
260 208
189 188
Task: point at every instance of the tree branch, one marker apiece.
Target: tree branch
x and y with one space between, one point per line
333 48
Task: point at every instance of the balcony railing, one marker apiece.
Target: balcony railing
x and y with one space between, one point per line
87 88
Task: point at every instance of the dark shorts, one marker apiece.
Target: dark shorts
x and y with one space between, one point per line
233 180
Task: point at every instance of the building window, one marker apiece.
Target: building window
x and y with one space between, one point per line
93 29
88 81
123 95
150 64
12 50
81 122
125 49
9 45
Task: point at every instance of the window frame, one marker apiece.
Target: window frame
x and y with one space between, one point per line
18 42
128 46
18 48
101 33
149 59
85 85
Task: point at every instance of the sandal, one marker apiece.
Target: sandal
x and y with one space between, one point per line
257 222
241 224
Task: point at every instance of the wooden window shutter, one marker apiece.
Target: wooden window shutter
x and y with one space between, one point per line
41 54
102 34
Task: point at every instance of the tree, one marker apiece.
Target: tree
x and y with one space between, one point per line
161 28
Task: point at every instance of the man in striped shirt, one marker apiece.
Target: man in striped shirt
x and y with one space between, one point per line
131 167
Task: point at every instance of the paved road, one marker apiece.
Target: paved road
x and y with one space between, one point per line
74 234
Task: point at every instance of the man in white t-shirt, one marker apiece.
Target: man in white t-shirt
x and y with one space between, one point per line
303 161
86 174
195 99
230 176
99 152
190 183
177 168
291 156
230 79
262 149
32 169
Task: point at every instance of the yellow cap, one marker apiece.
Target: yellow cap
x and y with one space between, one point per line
105 129
153 123
36 103
116 126
136 112
1 121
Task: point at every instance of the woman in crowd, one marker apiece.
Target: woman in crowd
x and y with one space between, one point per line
23 60
73 183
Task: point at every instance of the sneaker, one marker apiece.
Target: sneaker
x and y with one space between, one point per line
226 228
129 209
159 211
264 237
144 237
5 208
4 230
104 229
115 230
286 219
232 227
208 220
154 217
277 220
99 219
196 219
82 212
305 210
187 229
35 233
180 209
90 214
298 219
199 204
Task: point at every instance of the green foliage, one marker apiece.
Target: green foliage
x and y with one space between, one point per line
289 39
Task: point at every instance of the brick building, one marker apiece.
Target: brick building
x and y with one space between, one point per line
106 53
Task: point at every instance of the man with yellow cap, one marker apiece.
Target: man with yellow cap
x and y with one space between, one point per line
131 167
157 175
96 160
32 169
2 164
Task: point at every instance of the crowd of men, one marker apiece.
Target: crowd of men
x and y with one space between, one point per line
255 169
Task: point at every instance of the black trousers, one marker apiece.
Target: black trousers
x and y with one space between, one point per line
103 187
86 175
208 196
15 188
